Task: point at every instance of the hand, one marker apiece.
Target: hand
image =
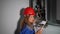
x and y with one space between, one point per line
39 31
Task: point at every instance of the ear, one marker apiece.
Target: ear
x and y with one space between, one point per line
24 15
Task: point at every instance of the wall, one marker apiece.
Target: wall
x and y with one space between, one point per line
51 10
10 14
58 10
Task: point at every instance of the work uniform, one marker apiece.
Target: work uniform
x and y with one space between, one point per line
27 30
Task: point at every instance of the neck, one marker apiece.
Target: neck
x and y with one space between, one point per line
30 25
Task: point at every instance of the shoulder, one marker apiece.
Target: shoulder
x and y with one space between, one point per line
25 31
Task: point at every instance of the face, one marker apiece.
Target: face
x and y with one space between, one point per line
31 19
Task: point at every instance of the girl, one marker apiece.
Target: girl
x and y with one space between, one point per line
26 25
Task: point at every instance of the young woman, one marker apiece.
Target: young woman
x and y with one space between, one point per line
26 25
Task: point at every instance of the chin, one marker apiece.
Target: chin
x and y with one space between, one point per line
32 22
